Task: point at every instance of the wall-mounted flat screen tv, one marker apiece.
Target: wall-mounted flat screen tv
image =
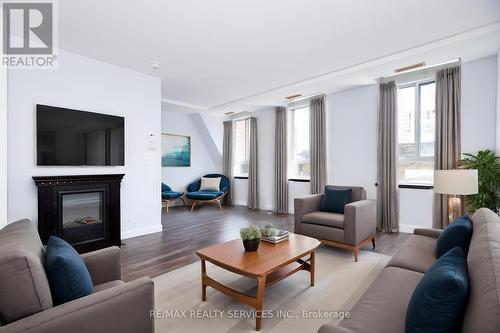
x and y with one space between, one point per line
72 137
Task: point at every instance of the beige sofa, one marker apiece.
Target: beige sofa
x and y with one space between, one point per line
351 230
25 299
382 308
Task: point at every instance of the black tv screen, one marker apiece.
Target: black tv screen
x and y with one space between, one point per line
72 137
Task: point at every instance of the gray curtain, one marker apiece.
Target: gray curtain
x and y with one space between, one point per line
387 188
280 161
447 144
317 144
227 157
253 175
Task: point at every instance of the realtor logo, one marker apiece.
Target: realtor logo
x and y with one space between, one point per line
28 34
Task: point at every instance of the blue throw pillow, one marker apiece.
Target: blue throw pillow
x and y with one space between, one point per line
68 276
438 302
334 200
458 233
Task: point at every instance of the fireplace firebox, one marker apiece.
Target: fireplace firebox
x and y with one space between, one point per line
83 210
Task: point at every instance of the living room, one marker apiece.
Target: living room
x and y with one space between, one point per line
283 166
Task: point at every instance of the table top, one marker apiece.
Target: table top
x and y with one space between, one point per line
269 257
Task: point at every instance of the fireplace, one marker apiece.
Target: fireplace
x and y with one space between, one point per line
82 210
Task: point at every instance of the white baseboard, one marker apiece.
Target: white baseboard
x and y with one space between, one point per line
262 207
408 228
141 231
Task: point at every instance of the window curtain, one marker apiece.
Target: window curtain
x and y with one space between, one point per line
227 157
253 176
387 203
317 144
448 145
280 161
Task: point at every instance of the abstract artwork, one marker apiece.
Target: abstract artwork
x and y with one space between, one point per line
175 150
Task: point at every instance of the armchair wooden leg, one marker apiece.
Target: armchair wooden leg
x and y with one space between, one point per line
183 202
220 206
355 252
373 242
192 207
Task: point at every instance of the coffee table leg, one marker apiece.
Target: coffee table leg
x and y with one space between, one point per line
261 285
312 268
203 285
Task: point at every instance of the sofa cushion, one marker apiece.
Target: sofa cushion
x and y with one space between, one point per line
107 285
210 184
438 302
68 276
203 195
458 233
383 306
483 308
417 254
324 218
24 288
334 200
170 195
322 232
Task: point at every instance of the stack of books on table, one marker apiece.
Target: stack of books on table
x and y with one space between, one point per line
281 235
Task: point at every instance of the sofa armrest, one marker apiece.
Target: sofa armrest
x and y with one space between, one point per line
125 308
104 265
303 206
434 233
360 221
329 328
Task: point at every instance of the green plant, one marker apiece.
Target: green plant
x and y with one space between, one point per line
250 232
268 230
487 165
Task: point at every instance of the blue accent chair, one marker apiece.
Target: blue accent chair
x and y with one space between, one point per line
214 197
168 195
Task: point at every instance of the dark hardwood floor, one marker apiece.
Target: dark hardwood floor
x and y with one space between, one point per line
184 232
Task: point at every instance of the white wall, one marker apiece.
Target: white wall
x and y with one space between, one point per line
479 90
352 138
3 147
498 106
181 123
86 84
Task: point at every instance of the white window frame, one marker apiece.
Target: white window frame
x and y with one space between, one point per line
418 157
291 140
247 147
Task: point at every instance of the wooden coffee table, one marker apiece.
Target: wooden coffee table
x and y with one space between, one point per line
270 264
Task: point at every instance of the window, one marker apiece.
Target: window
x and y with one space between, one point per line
416 130
241 148
299 166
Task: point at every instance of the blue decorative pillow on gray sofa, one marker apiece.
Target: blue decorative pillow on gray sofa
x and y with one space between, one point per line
438 302
334 200
458 233
68 276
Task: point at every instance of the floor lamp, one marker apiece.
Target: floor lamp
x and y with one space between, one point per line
455 183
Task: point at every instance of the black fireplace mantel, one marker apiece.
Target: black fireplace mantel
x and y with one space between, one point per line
77 179
52 189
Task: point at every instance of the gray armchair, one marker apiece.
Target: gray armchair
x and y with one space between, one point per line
26 303
351 230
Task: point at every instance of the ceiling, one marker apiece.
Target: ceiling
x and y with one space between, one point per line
226 55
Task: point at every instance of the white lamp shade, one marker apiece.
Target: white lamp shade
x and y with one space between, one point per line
457 182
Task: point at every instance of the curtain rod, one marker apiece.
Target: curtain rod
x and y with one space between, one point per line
421 71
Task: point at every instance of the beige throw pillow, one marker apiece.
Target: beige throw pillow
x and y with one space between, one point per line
210 184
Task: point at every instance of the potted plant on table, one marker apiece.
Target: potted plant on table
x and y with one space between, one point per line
251 238
268 231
